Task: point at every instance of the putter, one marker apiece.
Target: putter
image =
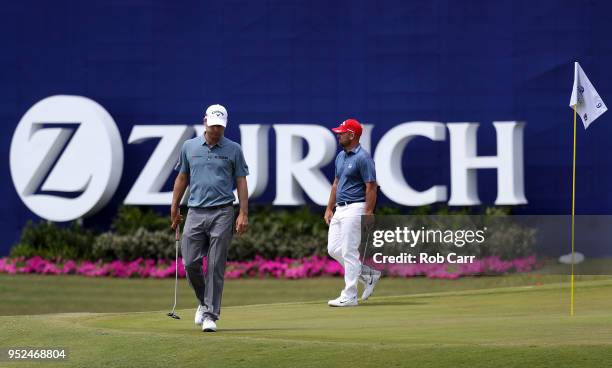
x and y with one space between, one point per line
366 250
176 245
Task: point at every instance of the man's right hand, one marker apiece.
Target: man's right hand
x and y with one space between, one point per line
328 215
175 217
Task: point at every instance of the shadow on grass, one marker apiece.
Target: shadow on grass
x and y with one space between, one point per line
391 303
261 329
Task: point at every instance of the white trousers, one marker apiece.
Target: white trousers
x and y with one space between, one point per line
343 244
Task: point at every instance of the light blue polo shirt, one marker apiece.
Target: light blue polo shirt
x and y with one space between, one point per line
211 170
353 169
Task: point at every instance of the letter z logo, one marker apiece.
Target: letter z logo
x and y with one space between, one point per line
66 157
60 134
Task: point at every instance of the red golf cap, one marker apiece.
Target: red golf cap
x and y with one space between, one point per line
349 125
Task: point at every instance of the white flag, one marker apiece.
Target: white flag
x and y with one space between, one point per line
586 99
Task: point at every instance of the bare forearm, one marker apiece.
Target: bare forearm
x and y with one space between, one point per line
332 198
243 195
370 198
331 203
180 185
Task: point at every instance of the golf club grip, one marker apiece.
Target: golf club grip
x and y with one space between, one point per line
177 236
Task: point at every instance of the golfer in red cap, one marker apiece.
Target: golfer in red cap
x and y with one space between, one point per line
353 194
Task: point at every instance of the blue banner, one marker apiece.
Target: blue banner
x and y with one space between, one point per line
317 62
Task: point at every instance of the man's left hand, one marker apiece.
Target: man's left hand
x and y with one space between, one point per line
368 219
242 224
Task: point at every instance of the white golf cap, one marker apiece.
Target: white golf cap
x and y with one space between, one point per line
216 115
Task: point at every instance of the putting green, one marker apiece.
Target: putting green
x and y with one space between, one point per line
503 327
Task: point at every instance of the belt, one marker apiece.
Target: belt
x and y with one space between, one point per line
218 206
346 203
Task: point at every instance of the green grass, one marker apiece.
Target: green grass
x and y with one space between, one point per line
519 320
37 294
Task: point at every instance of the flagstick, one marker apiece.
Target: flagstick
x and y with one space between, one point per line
573 211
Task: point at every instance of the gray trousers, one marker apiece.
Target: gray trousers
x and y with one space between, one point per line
207 233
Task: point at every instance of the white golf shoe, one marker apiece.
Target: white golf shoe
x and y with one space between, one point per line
370 282
209 325
343 302
199 315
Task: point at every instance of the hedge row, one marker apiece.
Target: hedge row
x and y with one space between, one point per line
142 233
138 232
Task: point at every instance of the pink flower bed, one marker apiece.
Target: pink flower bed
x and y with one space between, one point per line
285 268
484 266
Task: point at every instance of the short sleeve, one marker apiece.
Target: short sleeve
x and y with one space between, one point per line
240 166
182 165
367 169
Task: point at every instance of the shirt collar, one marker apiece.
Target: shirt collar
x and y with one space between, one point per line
220 143
356 149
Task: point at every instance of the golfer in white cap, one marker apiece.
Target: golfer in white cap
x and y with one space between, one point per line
353 194
209 164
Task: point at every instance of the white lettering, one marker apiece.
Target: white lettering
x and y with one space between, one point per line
146 189
295 172
508 162
388 158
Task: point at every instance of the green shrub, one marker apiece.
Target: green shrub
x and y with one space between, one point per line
131 218
52 241
281 233
507 239
158 244
505 236
141 232
136 232
272 233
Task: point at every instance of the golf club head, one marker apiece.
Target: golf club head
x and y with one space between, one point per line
173 315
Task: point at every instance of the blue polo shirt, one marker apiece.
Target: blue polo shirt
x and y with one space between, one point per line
353 169
211 170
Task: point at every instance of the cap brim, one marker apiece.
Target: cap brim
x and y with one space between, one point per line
339 130
213 120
